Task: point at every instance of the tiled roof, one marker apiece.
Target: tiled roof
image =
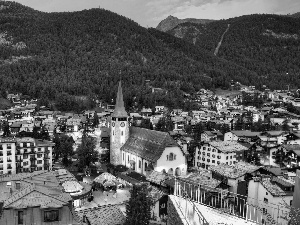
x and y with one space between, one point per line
228 146
202 180
273 188
246 133
104 176
158 177
234 171
291 147
104 215
147 144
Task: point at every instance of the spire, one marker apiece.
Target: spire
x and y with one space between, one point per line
119 108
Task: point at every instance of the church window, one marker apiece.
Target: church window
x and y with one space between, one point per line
140 164
171 157
128 158
146 165
113 132
123 156
167 157
122 133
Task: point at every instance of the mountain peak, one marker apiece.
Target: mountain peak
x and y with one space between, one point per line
171 21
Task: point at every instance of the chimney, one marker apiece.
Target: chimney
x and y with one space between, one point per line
18 185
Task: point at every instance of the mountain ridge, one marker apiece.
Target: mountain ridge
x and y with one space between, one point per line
170 22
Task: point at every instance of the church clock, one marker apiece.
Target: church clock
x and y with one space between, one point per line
122 124
113 124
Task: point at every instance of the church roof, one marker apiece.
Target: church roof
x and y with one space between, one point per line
119 108
147 144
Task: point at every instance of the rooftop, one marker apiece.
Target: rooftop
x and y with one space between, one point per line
271 185
234 171
228 146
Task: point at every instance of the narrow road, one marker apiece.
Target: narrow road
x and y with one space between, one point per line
220 42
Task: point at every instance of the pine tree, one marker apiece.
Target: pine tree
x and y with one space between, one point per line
138 208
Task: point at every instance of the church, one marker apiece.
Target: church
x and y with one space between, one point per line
142 149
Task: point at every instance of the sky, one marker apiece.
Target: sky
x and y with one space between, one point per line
149 13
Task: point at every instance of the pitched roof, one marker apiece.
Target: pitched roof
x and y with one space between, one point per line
246 133
228 146
147 144
104 215
119 108
273 187
234 171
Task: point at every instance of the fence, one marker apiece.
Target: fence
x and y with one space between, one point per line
236 205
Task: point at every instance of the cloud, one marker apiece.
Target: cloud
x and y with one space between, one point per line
151 12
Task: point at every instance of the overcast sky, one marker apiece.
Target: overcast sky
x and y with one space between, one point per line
151 12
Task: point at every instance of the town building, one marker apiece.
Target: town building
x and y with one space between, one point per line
217 152
274 196
142 149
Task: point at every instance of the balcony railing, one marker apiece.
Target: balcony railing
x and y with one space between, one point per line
233 204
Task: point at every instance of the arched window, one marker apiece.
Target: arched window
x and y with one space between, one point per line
171 156
170 171
121 133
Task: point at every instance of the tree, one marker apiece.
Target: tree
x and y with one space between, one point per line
146 123
138 208
164 124
96 120
63 148
6 129
285 126
86 151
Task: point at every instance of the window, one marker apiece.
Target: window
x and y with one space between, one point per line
51 216
231 157
146 165
266 200
226 157
39 155
219 157
203 153
203 159
25 163
213 155
8 146
122 133
171 157
198 152
208 160
230 163
128 158
267 193
20 217
167 157
204 148
218 162
208 149
213 150
140 164
213 161
39 149
123 156
291 202
39 161
1 147
208 154
265 211
25 156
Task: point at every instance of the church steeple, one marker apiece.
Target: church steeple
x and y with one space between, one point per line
119 108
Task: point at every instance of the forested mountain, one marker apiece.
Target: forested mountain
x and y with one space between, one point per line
171 21
61 57
267 45
296 15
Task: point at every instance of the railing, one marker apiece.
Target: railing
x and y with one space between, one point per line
189 203
233 204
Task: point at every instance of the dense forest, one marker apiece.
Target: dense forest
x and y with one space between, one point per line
267 45
63 57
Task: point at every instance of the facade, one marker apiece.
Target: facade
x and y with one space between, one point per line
274 196
24 155
208 136
35 198
7 156
241 135
217 152
142 149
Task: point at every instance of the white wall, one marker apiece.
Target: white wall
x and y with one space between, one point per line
180 161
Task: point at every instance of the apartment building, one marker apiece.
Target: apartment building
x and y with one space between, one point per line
24 155
7 156
33 154
217 152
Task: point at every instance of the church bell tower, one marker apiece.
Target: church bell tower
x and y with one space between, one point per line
119 129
